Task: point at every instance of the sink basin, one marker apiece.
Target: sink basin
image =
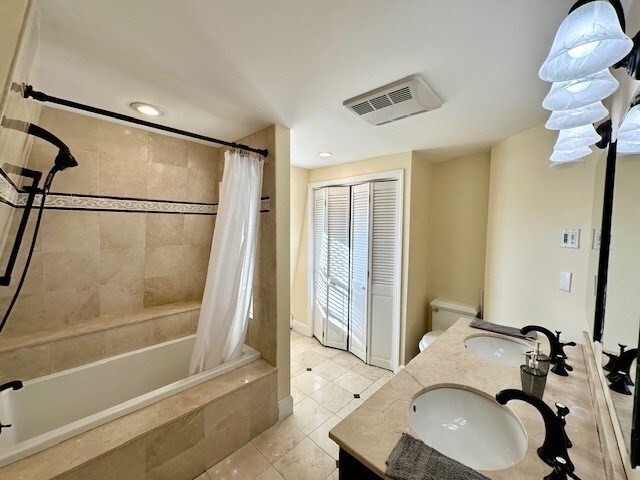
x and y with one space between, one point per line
468 427
498 350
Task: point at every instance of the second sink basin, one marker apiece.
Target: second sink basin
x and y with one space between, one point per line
498 350
468 427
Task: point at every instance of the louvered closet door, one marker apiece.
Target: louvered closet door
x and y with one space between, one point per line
320 246
384 246
336 329
359 300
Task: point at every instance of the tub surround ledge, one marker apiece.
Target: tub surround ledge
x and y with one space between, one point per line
371 431
177 438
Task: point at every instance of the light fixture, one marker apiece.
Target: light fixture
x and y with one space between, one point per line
146 109
577 117
590 39
581 92
578 137
629 133
569 156
325 154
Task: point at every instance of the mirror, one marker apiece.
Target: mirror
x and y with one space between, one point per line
622 308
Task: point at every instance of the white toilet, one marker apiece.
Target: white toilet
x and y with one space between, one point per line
444 313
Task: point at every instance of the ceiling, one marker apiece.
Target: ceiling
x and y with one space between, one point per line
228 68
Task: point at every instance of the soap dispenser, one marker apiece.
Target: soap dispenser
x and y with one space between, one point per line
534 372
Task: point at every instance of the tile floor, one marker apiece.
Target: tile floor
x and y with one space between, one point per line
326 385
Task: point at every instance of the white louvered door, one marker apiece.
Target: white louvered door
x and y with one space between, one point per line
384 247
320 274
359 301
337 324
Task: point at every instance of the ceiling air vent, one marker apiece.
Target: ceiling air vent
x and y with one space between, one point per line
395 101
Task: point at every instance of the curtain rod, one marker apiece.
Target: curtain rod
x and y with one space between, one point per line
43 97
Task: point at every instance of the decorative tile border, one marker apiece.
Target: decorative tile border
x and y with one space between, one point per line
59 201
8 193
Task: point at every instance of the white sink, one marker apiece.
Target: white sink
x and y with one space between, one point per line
468 427
498 350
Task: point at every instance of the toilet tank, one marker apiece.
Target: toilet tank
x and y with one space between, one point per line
444 313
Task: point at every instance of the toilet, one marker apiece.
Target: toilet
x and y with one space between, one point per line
444 313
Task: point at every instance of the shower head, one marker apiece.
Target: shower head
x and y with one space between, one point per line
63 160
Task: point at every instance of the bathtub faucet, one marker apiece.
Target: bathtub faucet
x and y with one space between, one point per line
16 385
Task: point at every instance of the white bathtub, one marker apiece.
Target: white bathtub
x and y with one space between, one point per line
53 408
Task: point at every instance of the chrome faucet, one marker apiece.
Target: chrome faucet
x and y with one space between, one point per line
555 440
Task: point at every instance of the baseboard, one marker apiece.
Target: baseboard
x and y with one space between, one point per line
301 328
285 407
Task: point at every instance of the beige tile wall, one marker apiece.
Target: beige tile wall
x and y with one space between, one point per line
92 264
26 357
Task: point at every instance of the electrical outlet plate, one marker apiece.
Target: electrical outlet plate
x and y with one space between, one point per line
570 238
565 281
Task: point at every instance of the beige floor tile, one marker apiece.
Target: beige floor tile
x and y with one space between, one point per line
310 342
353 382
330 370
351 406
372 373
297 348
371 390
307 461
308 415
320 436
347 360
296 368
297 395
278 440
295 335
326 351
270 474
335 475
309 382
204 476
332 397
244 464
308 358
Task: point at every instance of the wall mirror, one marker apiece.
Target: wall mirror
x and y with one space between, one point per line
621 327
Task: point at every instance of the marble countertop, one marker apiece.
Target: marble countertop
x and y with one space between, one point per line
372 430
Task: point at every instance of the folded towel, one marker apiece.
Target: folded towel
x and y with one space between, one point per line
502 329
412 459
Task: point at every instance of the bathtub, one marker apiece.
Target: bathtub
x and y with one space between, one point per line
56 407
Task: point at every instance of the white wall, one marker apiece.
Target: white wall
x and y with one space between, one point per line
299 180
529 205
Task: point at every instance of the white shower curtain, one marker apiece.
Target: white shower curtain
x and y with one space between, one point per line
224 313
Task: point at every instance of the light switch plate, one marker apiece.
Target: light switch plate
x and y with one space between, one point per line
565 281
595 241
570 238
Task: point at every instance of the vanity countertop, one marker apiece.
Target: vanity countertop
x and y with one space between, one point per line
371 431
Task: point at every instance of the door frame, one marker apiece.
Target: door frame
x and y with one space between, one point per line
397 175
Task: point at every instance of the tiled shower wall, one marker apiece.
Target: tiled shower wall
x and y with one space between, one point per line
97 262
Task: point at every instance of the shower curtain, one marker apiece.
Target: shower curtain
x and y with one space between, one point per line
224 314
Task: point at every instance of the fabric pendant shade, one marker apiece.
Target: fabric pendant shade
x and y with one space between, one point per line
568 156
629 133
577 117
628 148
630 126
578 137
588 40
580 93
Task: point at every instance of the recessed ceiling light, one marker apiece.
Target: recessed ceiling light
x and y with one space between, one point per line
147 109
325 154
